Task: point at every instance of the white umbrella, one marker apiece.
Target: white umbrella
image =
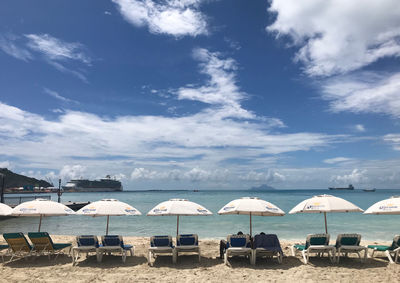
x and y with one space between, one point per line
178 207
108 207
5 209
41 207
386 206
251 206
324 204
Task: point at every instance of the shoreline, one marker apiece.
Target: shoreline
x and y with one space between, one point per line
188 269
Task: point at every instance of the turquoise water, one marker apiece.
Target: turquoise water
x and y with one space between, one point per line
289 227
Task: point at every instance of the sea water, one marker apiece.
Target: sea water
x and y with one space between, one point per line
288 227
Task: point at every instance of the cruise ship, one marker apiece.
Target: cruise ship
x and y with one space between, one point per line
349 188
103 185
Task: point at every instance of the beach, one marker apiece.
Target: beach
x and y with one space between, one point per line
188 269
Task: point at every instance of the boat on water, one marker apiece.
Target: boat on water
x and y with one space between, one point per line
103 185
349 188
369 190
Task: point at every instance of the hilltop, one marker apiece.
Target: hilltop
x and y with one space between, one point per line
13 180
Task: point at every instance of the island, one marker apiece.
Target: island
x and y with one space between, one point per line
263 187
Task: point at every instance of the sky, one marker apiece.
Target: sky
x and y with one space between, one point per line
202 94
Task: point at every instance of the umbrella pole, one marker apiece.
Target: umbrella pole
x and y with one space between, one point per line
40 222
326 226
177 227
250 226
108 219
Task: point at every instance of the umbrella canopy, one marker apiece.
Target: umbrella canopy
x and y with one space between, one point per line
108 207
5 209
324 204
178 207
41 207
386 206
251 206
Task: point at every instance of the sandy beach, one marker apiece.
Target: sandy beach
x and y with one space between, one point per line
188 269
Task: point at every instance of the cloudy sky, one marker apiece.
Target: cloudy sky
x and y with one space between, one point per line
206 94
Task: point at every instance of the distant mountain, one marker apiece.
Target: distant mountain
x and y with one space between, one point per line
262 188
13 180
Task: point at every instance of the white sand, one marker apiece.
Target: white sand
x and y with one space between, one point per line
188 269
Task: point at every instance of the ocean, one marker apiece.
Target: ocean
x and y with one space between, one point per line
288 227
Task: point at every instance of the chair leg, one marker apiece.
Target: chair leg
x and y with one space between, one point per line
387 253
304 256
226 257
124 256
293 251
99 256
338 255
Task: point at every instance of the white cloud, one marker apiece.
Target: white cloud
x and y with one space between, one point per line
357 176
270 176
57 95
8 45
142 173
56 49
359 128
364 93
393 139
72 171
173 17
339 36
337 160
5 164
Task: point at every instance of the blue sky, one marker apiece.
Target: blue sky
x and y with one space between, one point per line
202 94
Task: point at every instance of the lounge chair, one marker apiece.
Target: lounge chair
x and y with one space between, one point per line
113 244
315 243
267 245
350 243
187 243
161 245
84 244
18 245
393 249
238 245
43 244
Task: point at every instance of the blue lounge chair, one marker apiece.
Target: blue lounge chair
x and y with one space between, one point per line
161 245
393 249
315 243
267 245
84 244
350 243
238 245
114 244
187 243
18 245
43 244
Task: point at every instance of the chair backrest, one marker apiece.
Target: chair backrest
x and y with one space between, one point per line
41 241
317 240
161 241
267 241
395 243
112 240
187 240
17 242
87 241
238 241
348 240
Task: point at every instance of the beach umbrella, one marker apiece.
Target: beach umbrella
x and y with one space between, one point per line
324 204
251 206
41 207
386 206
178 207
5 209
108 207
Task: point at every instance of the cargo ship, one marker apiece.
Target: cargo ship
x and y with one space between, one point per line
103 185
349 188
